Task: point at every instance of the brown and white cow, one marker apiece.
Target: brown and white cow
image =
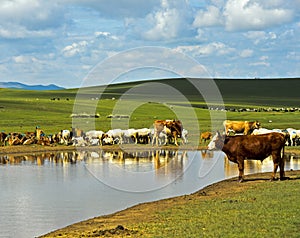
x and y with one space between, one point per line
245 127
251 147
175 127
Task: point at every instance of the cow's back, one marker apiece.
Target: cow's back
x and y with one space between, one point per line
254 146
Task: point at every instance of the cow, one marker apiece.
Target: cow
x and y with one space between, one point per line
113 136
255 147
175 127
64 137
293 135
143 135
3 135
245 127
130 135
204 136
261 131
93 135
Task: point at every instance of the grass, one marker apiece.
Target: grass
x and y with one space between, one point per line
23 110
252 213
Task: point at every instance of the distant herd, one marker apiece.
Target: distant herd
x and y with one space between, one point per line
164 132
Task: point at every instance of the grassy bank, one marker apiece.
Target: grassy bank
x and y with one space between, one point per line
255 208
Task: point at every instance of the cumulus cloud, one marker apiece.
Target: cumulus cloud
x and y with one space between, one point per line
211 17
170 20
32 14
29 18
74 49
255 14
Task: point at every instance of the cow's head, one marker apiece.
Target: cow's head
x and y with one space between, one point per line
256 125
217 142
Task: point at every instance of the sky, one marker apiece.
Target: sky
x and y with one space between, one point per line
62 41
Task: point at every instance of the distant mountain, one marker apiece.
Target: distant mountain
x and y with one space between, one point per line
17 85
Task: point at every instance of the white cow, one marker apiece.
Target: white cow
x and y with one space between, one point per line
64 137
79 141
130 135
94 137
293 135
143 135
115 136
184 135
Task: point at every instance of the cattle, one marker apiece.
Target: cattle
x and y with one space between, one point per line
204 136
175 127
79 141
3 135
294 134
245 127
143 135
64 137
262 131
114 136
93 135
184 136
130 135
77 132
251 147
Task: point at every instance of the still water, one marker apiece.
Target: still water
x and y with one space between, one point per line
44 192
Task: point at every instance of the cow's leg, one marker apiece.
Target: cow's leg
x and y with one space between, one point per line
276 159
241 169
281 165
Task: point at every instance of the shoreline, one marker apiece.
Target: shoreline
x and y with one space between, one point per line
115 224
26 149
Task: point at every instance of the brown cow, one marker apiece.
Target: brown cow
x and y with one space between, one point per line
3 135
245 127
175 127
256 147
205 136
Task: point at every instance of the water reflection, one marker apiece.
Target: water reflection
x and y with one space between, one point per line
170 160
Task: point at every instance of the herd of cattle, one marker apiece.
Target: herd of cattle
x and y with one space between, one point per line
163 132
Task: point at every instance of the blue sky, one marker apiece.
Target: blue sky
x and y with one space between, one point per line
61 41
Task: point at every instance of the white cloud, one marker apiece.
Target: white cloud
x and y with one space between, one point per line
32 14
258 36
214 48
22 59
246 53
254 15
260 63
74 49
12 31
211 17
105 35
169 21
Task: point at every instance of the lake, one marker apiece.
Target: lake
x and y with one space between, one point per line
43 192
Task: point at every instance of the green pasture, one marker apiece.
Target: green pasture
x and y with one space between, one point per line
266 210
23 110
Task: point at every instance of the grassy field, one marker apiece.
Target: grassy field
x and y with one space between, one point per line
24 110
